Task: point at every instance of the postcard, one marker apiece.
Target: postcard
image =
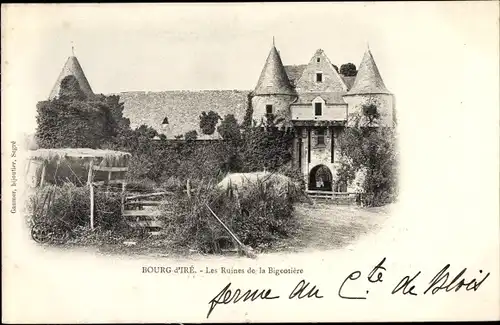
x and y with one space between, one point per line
250 162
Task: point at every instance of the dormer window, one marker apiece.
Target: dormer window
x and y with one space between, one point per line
319 77
165 121
269 109
318 109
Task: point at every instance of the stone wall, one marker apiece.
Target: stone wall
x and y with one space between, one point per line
385 103
320 154
281 106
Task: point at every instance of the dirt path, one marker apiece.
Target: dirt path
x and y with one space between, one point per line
325 226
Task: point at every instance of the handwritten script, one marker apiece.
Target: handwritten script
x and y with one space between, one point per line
444 281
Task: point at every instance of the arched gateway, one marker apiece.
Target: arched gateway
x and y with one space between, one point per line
320 178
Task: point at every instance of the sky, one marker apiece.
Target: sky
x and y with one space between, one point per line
224 46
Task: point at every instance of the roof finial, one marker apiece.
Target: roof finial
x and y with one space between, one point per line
72 48
368 45
273 41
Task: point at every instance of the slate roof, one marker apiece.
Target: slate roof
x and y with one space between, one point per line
72 67
330 98
294 72
182 108
368 80
349 81
273 78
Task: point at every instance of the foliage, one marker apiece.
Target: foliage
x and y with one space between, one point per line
258 215
348 69
248 118
70 124
372 149
266 148
371 112
229 129
191 135
73 120
208 121
70 89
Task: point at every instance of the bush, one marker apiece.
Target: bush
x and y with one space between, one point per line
258 214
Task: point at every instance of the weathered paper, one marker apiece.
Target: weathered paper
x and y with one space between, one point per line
439 59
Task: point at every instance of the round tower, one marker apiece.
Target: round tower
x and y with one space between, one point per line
369 88
273 93
72 68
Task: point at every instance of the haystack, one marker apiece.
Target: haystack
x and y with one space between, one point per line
245 181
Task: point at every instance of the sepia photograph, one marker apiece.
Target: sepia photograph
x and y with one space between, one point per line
250 162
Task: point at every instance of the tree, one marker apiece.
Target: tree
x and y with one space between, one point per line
208 122
348 70
229 128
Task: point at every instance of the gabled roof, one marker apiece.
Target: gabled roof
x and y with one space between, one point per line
182 109
273 78
330 98
72 67
368 79
332 80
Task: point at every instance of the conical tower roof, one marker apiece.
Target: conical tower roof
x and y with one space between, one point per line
273 79
368 79
72 67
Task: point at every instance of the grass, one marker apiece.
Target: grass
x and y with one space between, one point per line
321 227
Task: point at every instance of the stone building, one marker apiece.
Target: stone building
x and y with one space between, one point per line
313 99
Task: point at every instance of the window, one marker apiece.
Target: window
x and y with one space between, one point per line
165 121
320 135
318 109
269 109
319 77
318 59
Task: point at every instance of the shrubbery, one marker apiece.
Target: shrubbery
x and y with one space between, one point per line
258 214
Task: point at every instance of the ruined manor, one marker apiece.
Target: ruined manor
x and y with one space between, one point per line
314 99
